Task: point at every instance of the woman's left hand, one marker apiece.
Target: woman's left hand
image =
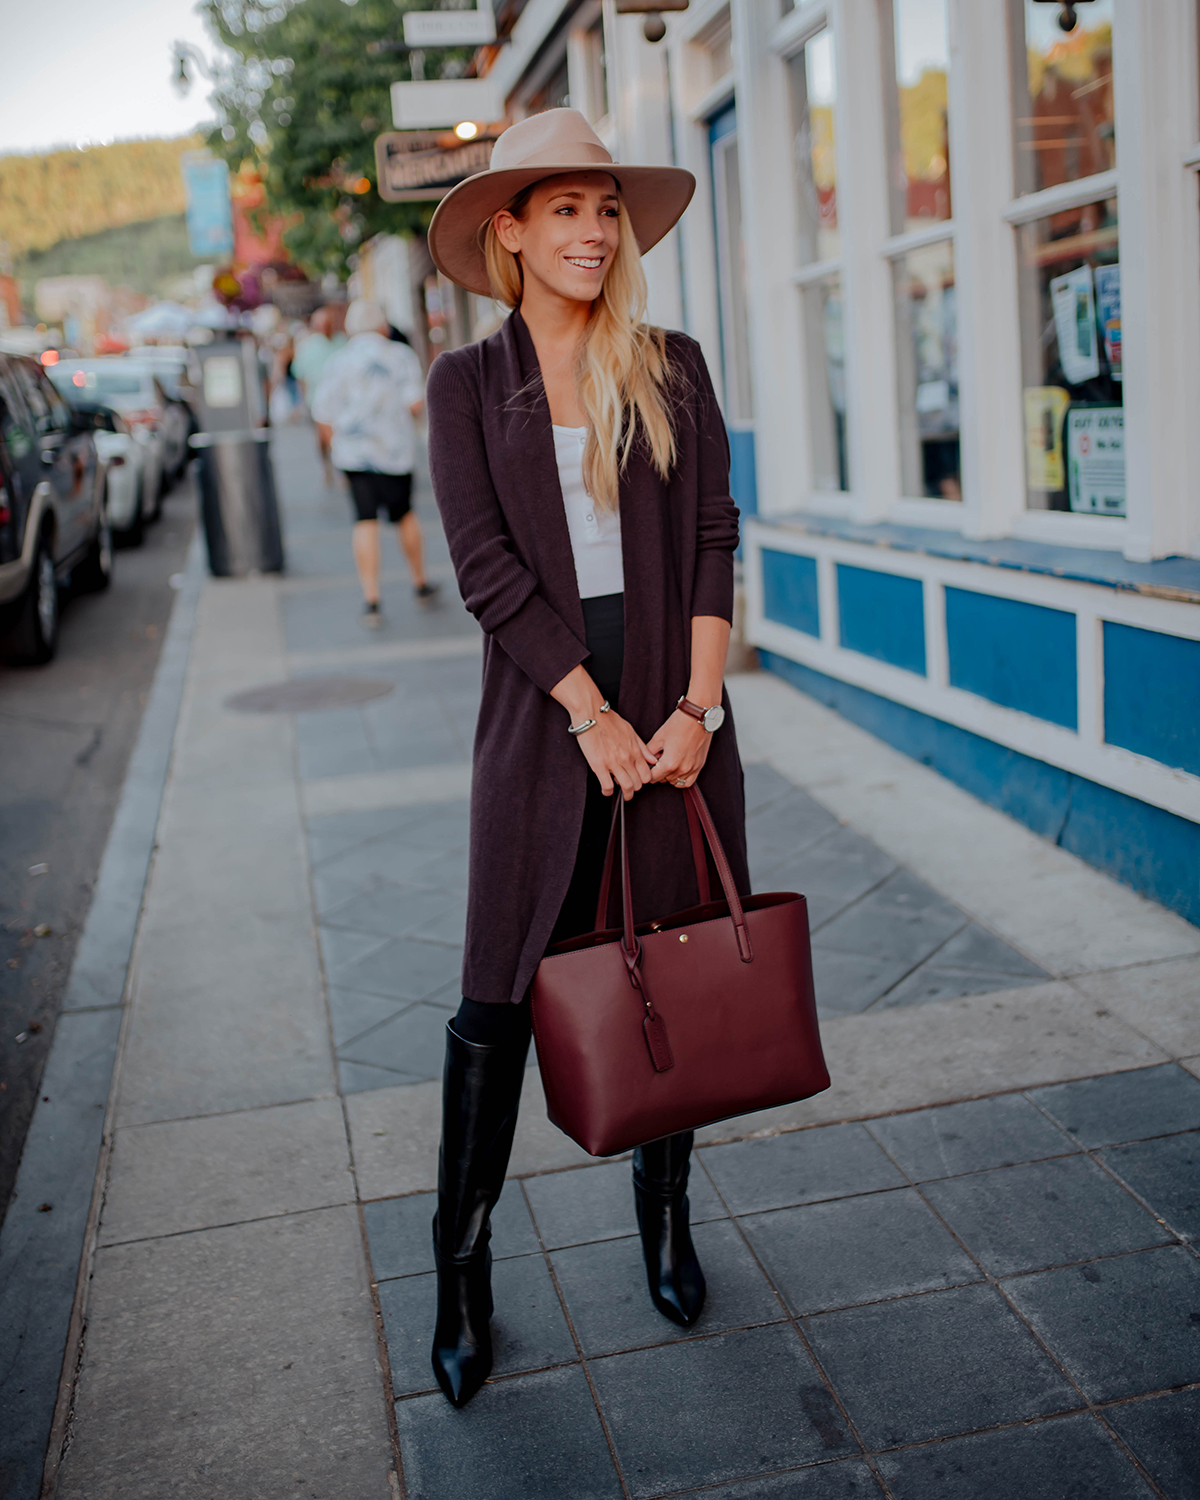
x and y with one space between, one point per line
680 748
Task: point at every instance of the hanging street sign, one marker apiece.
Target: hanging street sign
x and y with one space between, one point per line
449 28
445 101
416 165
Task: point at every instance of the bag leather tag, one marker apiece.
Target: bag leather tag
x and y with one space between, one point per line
658 1042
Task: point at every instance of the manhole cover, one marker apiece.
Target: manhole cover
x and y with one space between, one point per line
302 695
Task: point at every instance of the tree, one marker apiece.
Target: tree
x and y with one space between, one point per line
304 97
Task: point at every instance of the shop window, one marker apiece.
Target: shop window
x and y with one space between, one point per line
917 69
825 372
596 63
731 267
1069 276
812 84
927 361
1064 126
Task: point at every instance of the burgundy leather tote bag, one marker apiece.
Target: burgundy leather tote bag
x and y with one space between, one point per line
645 1031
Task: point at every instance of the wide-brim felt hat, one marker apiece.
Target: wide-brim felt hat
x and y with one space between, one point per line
550 144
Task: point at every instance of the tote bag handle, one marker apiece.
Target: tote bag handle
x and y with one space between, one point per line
697 809
699 861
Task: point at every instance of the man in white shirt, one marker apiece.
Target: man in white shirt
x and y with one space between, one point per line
369 393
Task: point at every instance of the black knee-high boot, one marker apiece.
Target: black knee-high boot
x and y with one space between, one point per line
660 1178
481 1088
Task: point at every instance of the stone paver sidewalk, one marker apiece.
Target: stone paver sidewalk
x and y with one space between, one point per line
969 1270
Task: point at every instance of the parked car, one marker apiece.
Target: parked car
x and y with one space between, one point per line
123 458
53 525
159 423
170 363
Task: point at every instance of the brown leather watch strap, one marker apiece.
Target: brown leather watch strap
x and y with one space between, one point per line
694 709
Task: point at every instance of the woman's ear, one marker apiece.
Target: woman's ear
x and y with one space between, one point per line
507 231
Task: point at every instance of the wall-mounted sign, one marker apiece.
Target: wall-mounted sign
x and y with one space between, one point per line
1096 460
449 28
446 101
412 165
1044 408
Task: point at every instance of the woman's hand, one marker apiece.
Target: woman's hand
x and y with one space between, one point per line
615 752
613 748
680 749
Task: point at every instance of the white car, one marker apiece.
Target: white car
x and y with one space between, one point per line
125 473
158 424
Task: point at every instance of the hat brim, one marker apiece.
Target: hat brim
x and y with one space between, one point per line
654 198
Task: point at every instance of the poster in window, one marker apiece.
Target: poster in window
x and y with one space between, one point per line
1044 408
1096 460
1075 323
1108 314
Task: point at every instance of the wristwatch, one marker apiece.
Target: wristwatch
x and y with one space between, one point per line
711 718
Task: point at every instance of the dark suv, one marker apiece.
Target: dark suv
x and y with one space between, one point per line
53 527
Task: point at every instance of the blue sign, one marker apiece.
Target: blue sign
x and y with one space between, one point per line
209 216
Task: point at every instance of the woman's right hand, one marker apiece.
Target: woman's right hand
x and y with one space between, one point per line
616 753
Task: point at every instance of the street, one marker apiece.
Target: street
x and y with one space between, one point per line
67 730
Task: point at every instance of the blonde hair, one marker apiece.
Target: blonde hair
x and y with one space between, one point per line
621 372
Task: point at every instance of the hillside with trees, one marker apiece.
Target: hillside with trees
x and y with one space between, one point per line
65 195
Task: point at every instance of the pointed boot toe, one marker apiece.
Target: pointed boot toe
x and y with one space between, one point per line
462 1339
676 1281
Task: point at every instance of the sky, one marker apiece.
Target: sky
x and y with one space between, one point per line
81 73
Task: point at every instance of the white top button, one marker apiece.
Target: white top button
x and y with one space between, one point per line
595 535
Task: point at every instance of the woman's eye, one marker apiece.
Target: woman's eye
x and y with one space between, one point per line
567 208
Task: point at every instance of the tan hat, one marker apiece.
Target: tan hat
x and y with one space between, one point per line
551 144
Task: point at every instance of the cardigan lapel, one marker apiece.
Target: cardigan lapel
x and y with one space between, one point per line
534 488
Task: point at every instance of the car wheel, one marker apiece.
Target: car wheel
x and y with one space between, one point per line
34 637
94 574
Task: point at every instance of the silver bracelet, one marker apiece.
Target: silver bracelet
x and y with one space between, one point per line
588 723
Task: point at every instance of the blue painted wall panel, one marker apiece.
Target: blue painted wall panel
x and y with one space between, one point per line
743 475
1016 654
1152 695
882 615
1155 852
790 591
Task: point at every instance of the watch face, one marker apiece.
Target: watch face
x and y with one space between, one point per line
714 718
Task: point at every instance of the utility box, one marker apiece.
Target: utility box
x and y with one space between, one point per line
238 503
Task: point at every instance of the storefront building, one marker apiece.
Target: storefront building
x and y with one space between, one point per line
944 261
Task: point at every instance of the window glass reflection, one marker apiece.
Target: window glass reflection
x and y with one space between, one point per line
812 85
1062 94
927 360
919 57
825 371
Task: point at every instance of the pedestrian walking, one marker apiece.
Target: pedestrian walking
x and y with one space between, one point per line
369 394
581 467
308 365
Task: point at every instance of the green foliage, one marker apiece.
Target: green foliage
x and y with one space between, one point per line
61 195
145 257
305 99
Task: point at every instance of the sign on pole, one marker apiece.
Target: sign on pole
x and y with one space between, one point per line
209 215
416 165
445 102
449 28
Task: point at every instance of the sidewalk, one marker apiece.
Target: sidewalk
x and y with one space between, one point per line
977 1256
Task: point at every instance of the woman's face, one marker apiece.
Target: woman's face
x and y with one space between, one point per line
568 237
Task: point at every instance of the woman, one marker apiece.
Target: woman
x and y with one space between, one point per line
582 471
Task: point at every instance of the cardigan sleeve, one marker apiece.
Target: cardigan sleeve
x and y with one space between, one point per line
495 585
717 515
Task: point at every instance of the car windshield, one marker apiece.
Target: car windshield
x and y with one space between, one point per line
94 385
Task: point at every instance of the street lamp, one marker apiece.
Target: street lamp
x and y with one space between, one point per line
184 53
1067 19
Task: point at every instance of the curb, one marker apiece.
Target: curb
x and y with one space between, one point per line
42 1263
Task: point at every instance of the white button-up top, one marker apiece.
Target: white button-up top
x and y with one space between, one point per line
595 534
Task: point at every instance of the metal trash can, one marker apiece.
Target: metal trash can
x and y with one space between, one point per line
238 503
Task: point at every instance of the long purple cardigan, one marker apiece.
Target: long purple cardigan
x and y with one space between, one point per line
491 453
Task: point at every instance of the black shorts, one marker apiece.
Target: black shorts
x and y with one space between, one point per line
370 493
